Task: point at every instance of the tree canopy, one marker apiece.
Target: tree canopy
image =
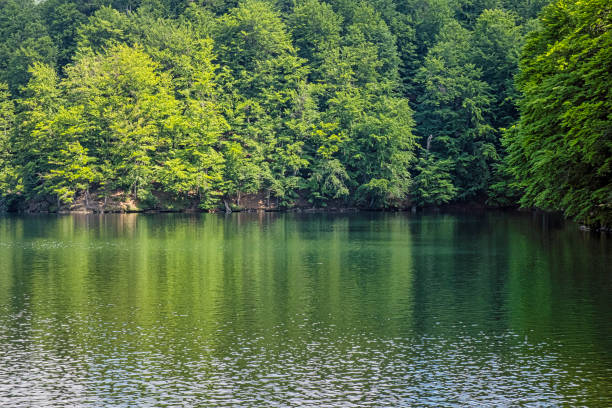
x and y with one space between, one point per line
372 103
561 149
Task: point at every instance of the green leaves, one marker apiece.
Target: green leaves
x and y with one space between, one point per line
211 100
562 152
114 123
72 171
433 184
251 33
7 123
453 112
25 41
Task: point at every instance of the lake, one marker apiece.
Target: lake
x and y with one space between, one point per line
271 309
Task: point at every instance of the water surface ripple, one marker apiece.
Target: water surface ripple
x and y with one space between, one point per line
489 309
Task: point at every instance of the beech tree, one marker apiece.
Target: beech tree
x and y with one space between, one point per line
561 153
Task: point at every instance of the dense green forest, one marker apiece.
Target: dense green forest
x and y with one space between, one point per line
371 103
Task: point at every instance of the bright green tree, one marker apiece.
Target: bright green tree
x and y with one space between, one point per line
7 123
72 171
36 136
131 115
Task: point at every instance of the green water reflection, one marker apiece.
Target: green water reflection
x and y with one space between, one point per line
304 310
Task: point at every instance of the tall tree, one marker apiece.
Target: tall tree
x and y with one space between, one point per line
36 136
24 42
263 82
316 29
497 42
452 111
62 19
7 123
561 153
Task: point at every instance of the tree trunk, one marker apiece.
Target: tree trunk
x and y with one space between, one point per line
228 209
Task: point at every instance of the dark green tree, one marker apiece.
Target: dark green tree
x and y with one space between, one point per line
496 43
24 42
561 153
452 112
433 183
316 30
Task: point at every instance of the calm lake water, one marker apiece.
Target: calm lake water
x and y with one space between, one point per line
491 309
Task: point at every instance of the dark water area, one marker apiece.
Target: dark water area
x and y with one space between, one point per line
374 309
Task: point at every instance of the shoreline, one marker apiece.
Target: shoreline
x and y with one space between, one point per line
471 207
121 203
